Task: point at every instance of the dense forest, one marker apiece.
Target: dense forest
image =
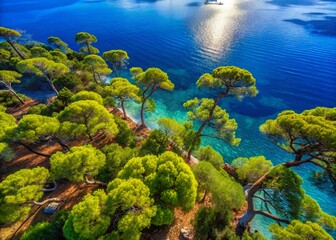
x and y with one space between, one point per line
129 180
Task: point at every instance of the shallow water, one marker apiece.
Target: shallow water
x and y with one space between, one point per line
289 46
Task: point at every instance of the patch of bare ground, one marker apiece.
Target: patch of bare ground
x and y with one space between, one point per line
172 232
181 219
22 109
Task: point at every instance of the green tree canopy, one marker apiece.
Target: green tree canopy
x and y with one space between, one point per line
217 182
87 95
156 143
17 189
251 169
170 180
126 209
229 80
4 57
6 152
125 136
57 43
150 81
130 197
43 67
32 128
8 77
40 52
297 230
116 159
283 199
85 39
123 90
7 122
117 58
206 112
10 36
214 222
182 135
88 219
76 163
209 154
224 81
60 57
47 230
87 117
97 66
310 136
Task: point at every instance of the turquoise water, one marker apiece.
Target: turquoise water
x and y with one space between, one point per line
288 45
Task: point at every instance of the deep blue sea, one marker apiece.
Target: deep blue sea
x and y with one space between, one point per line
288 45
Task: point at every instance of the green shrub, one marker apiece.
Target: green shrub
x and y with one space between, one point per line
125 136
9 100
156 143
47 230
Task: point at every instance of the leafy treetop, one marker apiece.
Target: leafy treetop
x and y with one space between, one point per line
168 177
229 80
87 95
310 136
117 58
218 119
43 67
57 42
251 169
88 117
97 66
7 122
149 82
76 163
88 219
18 189
297 230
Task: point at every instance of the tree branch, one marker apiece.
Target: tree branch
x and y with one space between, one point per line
94 181
32 150
45 201
271 216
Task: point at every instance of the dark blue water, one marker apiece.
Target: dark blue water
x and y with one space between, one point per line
288 45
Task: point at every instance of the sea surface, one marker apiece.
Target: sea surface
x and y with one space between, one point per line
288 45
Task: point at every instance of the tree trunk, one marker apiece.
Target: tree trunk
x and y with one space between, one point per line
153 90
94 181
33 151
123 109
88 48
46 201
249 193
246 219
205 123
142 112
63 144
192 148
16 95
17 51
52 86
94 74
231 171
